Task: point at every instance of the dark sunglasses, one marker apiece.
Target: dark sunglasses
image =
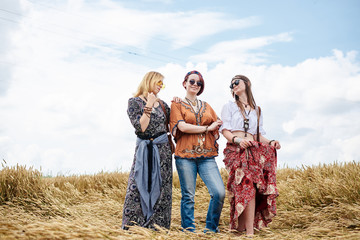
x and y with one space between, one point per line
192 82
237 81
192 72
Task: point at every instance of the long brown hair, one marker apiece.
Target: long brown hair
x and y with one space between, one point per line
249 95
147 83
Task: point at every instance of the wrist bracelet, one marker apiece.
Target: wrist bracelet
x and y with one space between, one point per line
271 142
233 139
206 129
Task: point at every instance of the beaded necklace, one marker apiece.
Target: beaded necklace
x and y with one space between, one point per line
201 136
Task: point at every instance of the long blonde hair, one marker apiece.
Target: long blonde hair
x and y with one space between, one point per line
148 82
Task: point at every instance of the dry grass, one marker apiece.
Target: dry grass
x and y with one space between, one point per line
314 202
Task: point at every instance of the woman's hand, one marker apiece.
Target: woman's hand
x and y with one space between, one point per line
176 99
275 144
215 125
151 99
244 143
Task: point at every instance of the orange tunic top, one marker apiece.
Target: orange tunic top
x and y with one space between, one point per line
194 145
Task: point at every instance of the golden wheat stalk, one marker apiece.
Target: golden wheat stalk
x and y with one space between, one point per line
315 202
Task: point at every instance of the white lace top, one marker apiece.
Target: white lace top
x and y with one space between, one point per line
233 120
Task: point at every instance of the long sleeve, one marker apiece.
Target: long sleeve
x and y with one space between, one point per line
134 112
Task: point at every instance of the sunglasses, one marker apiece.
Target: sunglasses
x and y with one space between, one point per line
192 82
161 84
192 72
233 84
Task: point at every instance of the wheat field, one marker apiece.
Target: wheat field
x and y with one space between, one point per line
319 202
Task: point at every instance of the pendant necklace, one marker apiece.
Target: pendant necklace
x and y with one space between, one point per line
246 119
193 103
245 104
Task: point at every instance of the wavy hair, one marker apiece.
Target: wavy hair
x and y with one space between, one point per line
148 82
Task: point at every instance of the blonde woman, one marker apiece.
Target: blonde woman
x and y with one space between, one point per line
149 192
250 159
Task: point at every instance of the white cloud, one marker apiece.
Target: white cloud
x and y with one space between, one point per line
349 148
241 49
159 1
307 106
109 24
7 27
187 28
65 109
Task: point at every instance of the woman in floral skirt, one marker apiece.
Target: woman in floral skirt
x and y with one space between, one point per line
250 159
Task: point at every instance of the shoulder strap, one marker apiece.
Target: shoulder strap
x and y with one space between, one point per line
172 146
167 119
258 122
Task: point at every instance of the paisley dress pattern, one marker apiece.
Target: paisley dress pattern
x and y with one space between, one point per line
132 212
255 166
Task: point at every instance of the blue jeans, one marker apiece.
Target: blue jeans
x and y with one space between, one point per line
209 173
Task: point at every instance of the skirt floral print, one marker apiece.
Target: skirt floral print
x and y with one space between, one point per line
253 167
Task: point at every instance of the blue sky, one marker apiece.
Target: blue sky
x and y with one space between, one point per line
67 69
317 27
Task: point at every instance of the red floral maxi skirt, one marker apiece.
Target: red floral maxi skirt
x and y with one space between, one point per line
255 166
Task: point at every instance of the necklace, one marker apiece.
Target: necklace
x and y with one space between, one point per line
245 104
200 148
194 103
246 118
247 113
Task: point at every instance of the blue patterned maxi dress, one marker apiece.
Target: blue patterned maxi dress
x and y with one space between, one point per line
132 212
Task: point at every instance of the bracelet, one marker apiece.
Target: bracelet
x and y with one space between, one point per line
234 139
271 142
206 129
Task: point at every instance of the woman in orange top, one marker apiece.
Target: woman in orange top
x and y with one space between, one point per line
194 125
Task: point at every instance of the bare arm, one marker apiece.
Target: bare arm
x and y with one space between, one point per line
274 143
144 122
228 135
244 143
190 128
145 119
